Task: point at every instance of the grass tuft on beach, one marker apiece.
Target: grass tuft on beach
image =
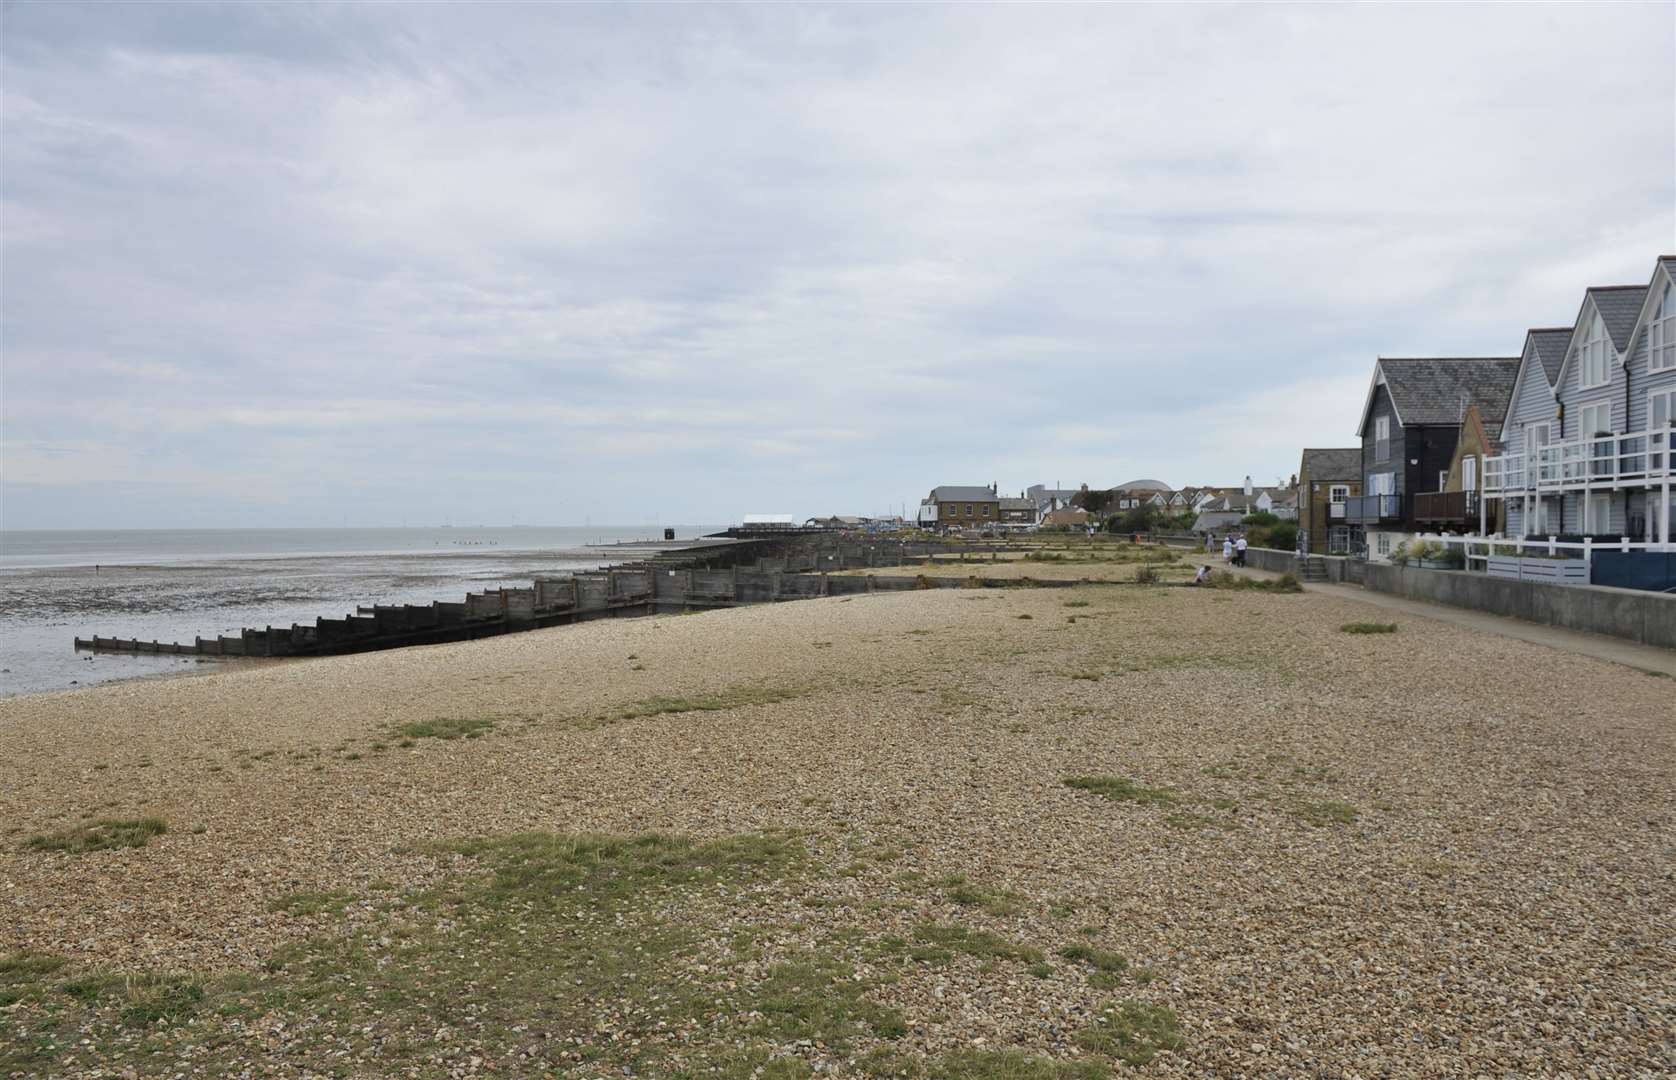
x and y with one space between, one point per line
101 835
448 728
1121 789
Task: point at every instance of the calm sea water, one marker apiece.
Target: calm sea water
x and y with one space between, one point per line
174 585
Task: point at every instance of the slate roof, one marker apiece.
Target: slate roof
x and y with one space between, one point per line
1018 504
1339 464
1437 391
1619 307
962 493
1550 349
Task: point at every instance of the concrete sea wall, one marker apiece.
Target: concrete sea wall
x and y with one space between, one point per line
1631 614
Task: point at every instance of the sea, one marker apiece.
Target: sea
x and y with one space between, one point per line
178 584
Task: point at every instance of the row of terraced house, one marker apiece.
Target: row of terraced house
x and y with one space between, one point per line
1564 449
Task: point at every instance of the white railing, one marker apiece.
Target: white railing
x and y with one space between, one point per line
1478 548
1638 459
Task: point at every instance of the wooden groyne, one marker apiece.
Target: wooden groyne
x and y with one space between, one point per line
549 602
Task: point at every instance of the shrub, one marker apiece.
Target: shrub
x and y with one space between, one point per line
1283 537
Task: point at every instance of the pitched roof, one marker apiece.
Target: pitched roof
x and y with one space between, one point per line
1018 504
1619 307
1336 464
1549 345
1437 391
962 493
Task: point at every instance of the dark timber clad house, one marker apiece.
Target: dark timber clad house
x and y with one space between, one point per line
1410 424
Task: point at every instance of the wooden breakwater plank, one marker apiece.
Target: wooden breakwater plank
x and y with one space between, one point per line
550 603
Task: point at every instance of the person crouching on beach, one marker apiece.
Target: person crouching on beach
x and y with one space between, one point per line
1203 576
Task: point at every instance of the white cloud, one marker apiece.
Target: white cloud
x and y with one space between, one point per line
348 258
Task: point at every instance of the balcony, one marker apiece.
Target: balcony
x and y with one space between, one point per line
1372 509
1598 463
1446 507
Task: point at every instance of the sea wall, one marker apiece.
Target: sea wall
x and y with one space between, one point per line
1631 614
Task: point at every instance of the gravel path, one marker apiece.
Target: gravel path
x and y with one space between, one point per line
1422 853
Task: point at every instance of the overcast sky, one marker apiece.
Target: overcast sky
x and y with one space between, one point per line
312 265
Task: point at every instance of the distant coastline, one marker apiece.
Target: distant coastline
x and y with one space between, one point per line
174 584
23 549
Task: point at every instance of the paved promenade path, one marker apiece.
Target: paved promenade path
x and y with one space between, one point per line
1618 651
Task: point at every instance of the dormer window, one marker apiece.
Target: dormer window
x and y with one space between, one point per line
1592 354
1661 333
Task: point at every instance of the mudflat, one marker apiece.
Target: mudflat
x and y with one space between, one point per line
975 833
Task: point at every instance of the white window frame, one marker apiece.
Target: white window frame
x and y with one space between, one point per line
1594 366
1669 393
1586 430
1442 479
1661 333
1339 493
1383 483
1469 473
1382 438
1657 452
1383 543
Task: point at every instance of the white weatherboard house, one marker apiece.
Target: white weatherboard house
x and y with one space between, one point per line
1586 445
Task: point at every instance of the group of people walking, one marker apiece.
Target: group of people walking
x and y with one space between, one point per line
1233 547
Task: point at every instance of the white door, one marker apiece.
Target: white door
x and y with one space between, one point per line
1469 474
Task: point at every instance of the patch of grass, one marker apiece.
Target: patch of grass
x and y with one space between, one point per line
1122 789
1107 967
1285 583
160 999
1026 615
1323 813
448 728
23 973
1011 1065
100 835
938 943
995 901
727 699
1133 1032
306 902
89 988
1075 603
1369 628
1087 676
